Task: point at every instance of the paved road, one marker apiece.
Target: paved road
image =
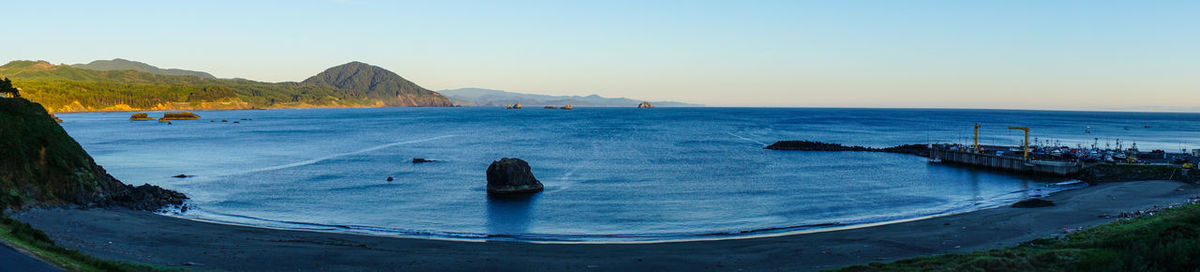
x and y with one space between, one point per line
11 260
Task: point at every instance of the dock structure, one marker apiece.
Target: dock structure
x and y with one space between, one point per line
1007 163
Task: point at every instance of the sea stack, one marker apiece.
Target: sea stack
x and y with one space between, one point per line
511 176
645 105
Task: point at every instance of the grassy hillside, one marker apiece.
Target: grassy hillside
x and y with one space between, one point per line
62 88
42 165
1166 241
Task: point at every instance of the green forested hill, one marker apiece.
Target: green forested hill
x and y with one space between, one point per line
123 64
378 83
62 88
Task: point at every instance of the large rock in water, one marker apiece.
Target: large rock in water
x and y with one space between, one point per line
511 176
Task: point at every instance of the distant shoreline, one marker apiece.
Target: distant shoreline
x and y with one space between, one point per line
347 107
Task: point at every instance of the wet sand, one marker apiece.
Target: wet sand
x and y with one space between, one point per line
150 238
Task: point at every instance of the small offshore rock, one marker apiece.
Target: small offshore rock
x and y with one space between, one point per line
181 176
1033 203
180 115
511 176
390 179
421 160
141 116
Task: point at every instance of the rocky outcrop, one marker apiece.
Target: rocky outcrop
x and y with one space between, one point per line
511 176
141 116
43 166
645 105
1033 203
1135 172
180 115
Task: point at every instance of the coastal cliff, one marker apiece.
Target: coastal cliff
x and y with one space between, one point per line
43 166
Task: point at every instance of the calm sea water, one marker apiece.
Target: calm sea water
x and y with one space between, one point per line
611 174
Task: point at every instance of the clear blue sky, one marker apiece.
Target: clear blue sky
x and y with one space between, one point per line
1139 55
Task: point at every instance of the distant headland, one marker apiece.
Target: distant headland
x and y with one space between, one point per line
489 97
123 85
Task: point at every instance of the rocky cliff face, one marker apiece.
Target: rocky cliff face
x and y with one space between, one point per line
378 83
41 165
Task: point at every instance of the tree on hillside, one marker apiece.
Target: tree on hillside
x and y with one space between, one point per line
7 87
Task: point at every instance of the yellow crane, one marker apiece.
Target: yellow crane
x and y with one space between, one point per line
977 138
1024 145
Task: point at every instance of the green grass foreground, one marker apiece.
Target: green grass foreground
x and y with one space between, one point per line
21 235
1166 241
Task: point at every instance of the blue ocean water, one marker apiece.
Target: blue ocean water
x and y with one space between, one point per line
611 174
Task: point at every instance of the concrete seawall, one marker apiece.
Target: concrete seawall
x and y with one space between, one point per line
1006 163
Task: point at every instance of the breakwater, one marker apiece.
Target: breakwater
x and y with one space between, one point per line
1007 163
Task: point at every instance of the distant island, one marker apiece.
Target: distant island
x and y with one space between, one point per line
122 85
489 97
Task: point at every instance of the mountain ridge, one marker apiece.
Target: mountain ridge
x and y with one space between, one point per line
124 64
491 97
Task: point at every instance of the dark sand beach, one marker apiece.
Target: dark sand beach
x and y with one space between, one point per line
150 238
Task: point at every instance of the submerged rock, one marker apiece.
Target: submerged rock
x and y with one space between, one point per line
181 176
511 176
1033 203
421 160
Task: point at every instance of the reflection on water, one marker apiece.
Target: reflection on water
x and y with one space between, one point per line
509 214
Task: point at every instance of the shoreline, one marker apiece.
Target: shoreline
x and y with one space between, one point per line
164 240
631 239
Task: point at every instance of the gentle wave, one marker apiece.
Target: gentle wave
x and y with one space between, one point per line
618 237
